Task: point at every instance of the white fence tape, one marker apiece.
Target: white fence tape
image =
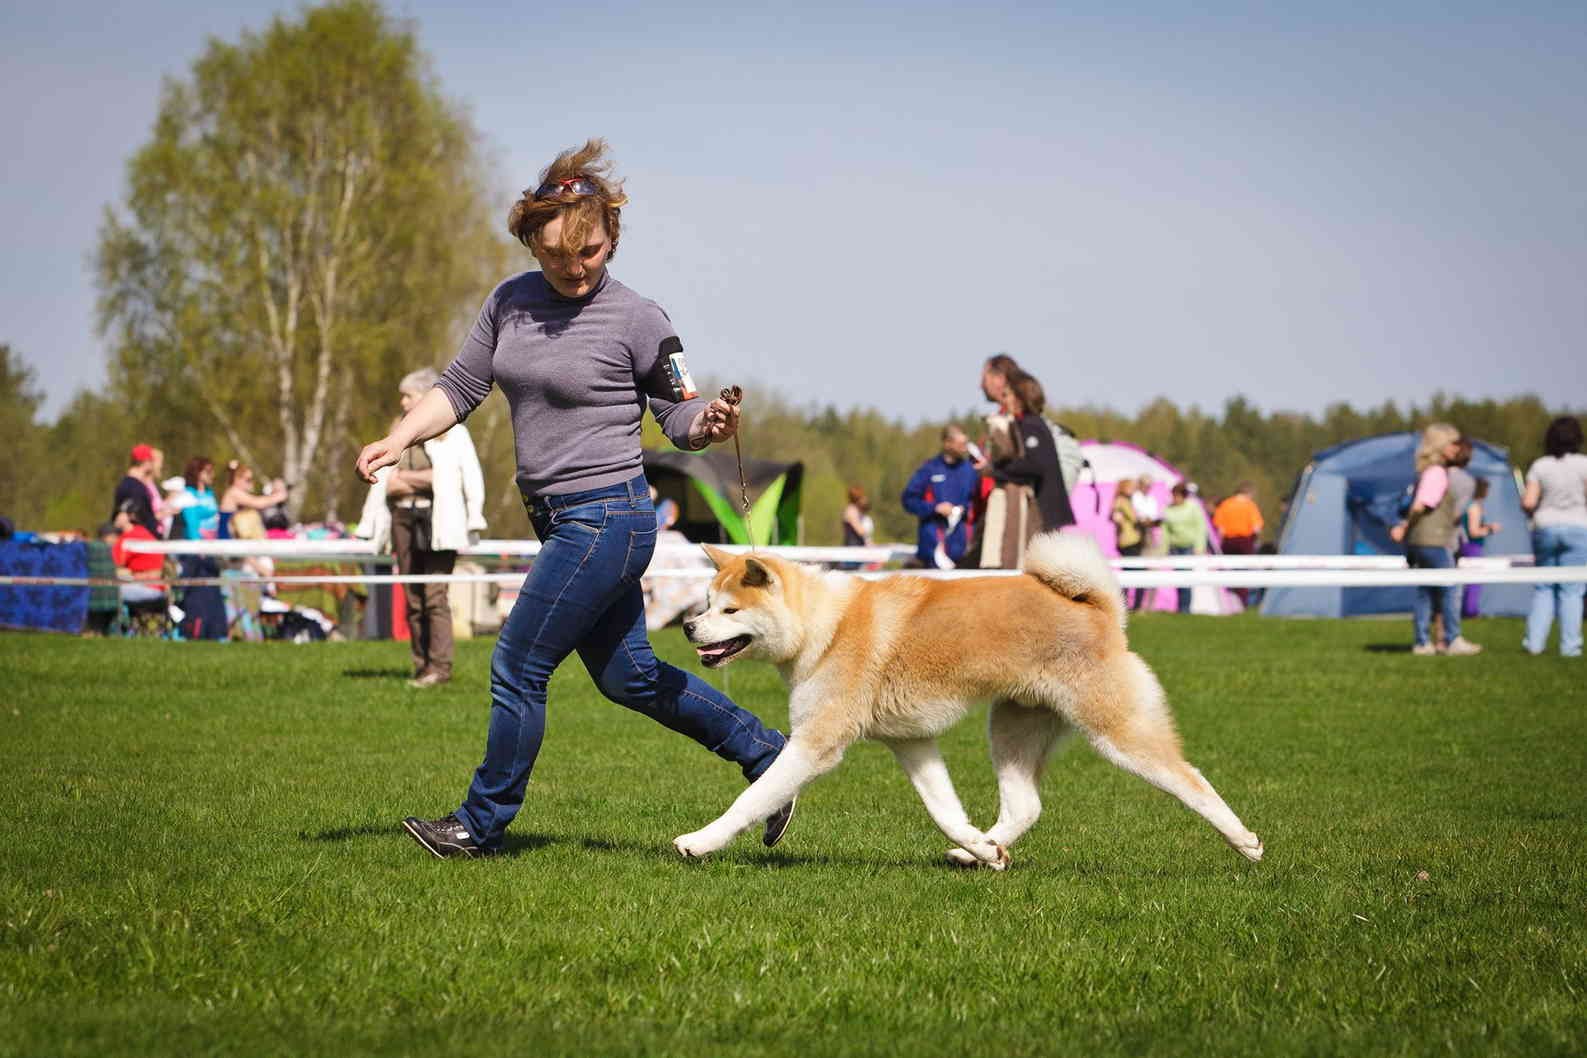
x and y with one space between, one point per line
362 550
1169 571
1270 578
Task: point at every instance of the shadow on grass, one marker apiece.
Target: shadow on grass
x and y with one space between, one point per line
377 674
511 845
749 854
1387 648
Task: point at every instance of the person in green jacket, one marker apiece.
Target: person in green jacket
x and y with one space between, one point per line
1185 529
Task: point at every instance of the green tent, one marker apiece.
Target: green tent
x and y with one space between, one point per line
705 486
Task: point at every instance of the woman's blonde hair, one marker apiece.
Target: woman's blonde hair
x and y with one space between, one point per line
1430 453
541 204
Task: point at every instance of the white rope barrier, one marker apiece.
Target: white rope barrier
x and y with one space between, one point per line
1271 578
363 550
1304 562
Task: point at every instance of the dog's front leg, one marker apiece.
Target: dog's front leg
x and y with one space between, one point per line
924 765
795 766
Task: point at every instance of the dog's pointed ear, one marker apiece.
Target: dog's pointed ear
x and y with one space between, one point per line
718 557
757 574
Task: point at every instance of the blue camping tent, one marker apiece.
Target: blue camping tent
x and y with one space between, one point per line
1347 498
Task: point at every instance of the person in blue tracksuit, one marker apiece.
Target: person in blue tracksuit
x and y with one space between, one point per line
941 494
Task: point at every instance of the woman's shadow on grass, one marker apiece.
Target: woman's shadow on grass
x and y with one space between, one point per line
512 844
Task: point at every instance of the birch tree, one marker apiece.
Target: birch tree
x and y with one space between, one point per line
307 223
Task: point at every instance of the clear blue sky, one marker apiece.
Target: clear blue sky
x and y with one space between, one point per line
854 203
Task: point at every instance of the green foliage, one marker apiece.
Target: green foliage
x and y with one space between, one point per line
20 496
204 858
306 224
88 445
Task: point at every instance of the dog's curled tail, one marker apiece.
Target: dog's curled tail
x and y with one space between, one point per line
1072 565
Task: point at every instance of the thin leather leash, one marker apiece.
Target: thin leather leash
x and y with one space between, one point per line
733 396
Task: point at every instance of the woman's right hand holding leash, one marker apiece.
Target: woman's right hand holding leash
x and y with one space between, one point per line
377 455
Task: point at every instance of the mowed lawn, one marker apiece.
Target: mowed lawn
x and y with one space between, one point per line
201 856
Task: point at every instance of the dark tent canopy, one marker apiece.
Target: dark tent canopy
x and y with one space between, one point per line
705 486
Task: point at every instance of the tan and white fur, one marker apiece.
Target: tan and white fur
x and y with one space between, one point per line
902 659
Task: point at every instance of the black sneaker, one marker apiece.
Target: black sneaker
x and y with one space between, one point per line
445 837
777 824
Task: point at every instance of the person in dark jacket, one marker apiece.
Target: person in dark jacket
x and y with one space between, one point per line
941 493
132 492
1035 465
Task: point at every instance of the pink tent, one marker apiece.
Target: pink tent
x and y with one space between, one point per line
1092 500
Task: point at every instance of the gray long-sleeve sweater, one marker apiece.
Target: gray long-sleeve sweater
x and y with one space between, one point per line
577 374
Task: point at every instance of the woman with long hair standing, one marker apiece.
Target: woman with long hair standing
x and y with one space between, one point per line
1429 533
1556 498
859 528
1027 476
579 357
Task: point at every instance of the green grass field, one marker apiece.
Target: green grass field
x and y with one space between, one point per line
201 856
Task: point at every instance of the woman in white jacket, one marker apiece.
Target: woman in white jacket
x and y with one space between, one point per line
425 509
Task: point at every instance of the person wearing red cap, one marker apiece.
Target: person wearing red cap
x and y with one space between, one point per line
132 492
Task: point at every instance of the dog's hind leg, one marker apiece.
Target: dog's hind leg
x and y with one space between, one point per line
1140 738
928 772
1021 740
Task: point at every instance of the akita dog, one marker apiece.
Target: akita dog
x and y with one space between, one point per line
902 659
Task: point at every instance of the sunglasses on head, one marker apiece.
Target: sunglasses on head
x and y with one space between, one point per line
573 185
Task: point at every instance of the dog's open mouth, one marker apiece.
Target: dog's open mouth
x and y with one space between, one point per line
713 654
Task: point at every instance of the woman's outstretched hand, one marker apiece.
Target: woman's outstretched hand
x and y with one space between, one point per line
377 455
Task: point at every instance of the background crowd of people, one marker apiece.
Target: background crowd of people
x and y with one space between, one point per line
145 506
977 503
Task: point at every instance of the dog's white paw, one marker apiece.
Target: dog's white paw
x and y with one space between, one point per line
694 846
984 854
1249 846
1002 861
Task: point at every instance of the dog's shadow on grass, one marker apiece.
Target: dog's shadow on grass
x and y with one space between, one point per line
377 674
749 857
1387 648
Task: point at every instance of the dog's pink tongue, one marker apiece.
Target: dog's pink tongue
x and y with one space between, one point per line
720 651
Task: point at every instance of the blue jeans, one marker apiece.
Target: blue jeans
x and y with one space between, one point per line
1183 593
1447 600
1557 545
583 594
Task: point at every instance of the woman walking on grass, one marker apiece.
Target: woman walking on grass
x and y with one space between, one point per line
579 357
1556 497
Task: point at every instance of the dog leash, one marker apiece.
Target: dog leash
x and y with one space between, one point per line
733 396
